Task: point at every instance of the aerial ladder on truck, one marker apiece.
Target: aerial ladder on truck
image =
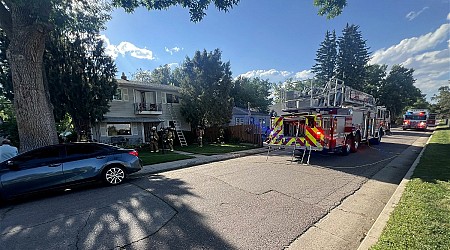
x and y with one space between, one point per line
333 118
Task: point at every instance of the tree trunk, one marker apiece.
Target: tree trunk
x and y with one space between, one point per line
34 112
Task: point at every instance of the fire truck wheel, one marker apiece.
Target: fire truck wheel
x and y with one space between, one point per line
347 147
355 144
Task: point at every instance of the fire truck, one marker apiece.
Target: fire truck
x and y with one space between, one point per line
415 119
431 121
335 118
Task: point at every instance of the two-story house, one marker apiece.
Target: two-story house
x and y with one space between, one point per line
136 108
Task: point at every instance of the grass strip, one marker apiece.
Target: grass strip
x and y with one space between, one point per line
421 220
154 158
212 149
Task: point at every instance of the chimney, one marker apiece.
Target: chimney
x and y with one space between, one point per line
124 77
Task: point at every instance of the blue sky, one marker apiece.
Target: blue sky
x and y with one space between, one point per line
277 39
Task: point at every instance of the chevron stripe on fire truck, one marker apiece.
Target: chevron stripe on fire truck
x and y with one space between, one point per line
276 135
311 135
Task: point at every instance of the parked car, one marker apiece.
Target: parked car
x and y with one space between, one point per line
66 164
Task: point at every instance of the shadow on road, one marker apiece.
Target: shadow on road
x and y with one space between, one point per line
134 215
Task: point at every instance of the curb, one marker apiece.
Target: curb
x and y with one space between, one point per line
197 161
377 228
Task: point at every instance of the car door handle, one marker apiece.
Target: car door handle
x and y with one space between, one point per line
101 157
54 165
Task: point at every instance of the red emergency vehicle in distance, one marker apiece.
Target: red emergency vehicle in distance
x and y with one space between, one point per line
431 121
415 119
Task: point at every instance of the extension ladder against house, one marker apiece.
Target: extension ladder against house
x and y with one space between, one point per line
177 125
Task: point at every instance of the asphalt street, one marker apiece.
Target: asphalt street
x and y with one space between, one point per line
264 201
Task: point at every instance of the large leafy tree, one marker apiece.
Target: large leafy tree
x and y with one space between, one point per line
352 57
253 92
142 75
398 90
160 75
205 89
443 101
326 55
163 75
27 23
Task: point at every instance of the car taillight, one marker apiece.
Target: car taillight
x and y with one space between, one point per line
134 152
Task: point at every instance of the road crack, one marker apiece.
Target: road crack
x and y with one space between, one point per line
82 228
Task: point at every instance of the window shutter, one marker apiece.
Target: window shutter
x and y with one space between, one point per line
103 129
125 95
163 97
134 129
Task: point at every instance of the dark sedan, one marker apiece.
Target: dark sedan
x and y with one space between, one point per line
66 164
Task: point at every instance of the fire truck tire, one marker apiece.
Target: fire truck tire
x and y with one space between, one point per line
347 147
356 143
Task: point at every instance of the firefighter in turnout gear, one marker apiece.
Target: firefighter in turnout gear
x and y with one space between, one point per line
200 133
154 138
170 136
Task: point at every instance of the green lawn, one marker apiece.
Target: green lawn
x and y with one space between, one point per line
154 158
422 218
212 149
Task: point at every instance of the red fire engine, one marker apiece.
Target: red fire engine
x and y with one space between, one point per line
415 119
335 118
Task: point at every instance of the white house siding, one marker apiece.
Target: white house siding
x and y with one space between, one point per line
123 111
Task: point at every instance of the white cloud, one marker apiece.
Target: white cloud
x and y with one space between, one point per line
412 15
430 64
276 76
126 48
173 50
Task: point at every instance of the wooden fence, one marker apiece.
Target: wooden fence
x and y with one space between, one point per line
239 133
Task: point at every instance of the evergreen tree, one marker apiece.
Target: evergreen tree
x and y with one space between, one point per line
81 79
205 89
352 57
326 58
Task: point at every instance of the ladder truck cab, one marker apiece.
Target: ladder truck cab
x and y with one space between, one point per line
335 118
415 119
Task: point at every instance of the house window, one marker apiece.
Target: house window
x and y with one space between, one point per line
239 121
115 129
121 94
262 121
171 98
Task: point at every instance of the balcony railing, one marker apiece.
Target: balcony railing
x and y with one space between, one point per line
142 108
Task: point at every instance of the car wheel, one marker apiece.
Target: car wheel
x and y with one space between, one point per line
113 175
